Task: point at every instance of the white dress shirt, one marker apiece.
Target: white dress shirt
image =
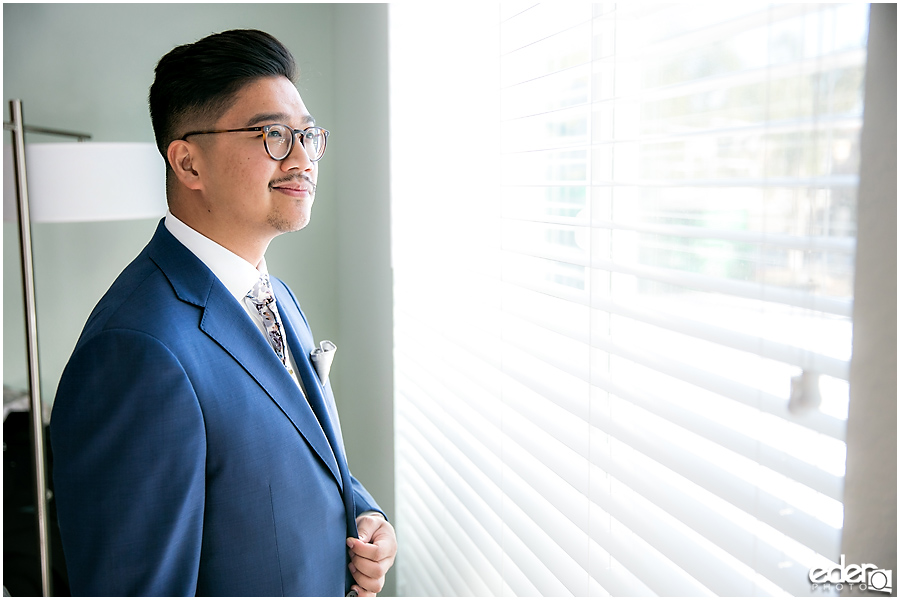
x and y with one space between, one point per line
236 274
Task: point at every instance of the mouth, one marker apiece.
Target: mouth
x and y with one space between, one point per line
296 187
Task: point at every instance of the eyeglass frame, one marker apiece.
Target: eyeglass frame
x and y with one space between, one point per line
265 131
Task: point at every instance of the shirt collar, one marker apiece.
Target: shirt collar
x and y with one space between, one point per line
236 274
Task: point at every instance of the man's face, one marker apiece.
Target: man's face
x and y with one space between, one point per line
252 194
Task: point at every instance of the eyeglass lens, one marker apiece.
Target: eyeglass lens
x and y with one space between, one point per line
279 142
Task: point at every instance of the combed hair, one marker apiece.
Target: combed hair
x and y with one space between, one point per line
196 83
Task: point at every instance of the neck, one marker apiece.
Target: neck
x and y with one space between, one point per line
229 234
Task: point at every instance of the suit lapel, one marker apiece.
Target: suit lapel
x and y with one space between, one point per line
301 344
226 322
232 329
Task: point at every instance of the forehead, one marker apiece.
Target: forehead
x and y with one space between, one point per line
268 99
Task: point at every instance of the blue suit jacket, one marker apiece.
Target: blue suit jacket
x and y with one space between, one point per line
186 460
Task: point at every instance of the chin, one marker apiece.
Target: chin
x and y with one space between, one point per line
287 223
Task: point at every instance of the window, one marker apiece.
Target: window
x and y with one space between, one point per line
623 255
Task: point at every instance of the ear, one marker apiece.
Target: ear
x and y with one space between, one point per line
184 158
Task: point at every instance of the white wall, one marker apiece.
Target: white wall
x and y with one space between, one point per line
364 280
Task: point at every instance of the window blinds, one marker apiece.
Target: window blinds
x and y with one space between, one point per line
623 239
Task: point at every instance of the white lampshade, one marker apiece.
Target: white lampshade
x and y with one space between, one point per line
88 181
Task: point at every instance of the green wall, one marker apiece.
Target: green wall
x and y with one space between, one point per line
88 67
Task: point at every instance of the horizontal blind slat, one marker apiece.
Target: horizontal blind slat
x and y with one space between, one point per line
706 519
441 551
430 579
527 467
729 287
835 306
562 423
805 359
842 245
532 558
740 492
827 425
464 554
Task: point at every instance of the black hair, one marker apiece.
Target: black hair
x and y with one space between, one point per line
198 82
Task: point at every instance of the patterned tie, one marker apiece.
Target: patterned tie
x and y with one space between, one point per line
264 300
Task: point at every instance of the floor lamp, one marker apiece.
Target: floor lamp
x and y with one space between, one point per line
94 175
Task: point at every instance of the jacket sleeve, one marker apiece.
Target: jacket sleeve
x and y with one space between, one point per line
129 468
363 499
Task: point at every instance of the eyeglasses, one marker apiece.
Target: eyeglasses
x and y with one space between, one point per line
279 139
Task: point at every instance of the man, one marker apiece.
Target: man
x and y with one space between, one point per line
196 449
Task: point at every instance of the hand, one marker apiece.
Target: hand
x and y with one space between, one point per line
372 555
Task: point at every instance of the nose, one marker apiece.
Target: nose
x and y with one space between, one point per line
297 158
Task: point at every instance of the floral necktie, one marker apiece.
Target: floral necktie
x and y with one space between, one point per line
264 300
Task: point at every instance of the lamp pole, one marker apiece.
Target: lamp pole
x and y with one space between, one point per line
34 380
18 128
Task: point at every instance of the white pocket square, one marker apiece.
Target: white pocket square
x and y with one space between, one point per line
322 357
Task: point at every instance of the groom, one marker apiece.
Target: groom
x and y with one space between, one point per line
196 450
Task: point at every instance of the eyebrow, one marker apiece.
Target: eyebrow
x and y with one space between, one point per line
308 120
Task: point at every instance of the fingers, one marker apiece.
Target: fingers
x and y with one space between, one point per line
369 574
377 540
372 555
368 584
375 551
371 569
